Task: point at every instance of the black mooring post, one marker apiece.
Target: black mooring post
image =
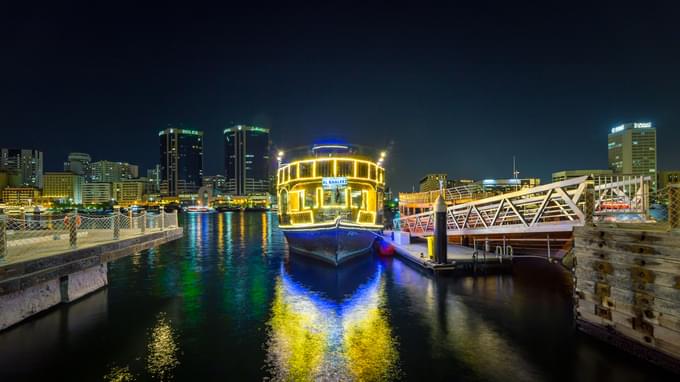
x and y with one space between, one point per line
440 239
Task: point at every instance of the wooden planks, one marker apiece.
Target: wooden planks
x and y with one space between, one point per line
627 281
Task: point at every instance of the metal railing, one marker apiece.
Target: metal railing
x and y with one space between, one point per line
554 207
29 236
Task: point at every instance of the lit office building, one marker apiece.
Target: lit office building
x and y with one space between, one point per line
246 160
181 161
108 171
96 193
153 178
65 186
668 177
431 182
570 174
79 163
20 196
632 149
24 167
127 193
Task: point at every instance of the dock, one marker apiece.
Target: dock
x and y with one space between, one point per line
45 262
460 259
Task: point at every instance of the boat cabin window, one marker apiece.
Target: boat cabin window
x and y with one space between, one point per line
373 172
293 172
345 168
323 168
358 199
334 197
306 169
362 170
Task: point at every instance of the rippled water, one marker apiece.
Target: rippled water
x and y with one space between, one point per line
227 302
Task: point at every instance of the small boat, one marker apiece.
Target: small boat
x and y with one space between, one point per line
330 202
199 209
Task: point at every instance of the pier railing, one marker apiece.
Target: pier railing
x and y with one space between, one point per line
554 207
28 236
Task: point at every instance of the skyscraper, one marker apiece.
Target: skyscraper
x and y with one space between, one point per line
632 149
108 171
246 159
79 163
181 161
24 166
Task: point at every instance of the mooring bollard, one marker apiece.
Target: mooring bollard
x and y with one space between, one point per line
3 236
73 230
143 221
440 238
116 223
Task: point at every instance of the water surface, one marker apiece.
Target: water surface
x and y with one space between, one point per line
227 302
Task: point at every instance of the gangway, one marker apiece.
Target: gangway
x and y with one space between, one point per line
553 207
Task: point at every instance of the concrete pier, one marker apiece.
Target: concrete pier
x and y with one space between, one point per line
32 286
458 257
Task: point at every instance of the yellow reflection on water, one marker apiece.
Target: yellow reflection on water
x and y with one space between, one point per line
163 350
119 374
312 338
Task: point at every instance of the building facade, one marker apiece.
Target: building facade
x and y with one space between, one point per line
24 167
246 160
128 193
79 163
668 177
569 174
65 186
632 150
430 182
97 193
20 196
508 185
217 182
181 161
108 171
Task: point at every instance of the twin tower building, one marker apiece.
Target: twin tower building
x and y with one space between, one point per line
246 161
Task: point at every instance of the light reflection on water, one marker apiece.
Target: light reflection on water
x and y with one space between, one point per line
313 337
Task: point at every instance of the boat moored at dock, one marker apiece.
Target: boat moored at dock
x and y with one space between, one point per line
330 202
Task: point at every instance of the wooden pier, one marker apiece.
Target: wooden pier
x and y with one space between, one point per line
627 288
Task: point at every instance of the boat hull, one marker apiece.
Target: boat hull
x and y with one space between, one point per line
334 245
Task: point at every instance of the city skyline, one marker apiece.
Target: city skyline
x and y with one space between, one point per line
450 80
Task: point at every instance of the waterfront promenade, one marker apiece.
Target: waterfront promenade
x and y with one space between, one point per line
47 260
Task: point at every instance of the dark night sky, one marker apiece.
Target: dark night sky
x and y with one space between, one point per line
459 89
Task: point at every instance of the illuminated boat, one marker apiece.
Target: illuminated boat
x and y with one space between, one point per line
199 209
330 202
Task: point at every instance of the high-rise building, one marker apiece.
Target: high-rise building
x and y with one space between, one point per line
107 171
246 159
20 196
96 193
181 161
632 149
24 166
65 186
430 182
569 174
127 193
668 177
153 178
79 163
217 182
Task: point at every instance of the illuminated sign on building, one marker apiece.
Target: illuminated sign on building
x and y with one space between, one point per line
617 129
642 125
333 182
